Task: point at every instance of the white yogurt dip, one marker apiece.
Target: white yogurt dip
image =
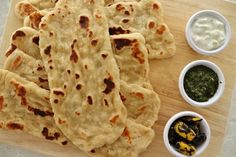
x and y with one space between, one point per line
208 33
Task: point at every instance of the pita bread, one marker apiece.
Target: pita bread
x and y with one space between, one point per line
25 107
83 75
145 17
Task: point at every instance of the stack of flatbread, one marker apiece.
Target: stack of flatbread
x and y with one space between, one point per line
77 73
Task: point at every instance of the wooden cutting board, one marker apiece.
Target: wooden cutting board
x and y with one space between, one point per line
164 78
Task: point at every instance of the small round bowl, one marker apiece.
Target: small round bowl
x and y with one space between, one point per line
216 15
204 128
219 91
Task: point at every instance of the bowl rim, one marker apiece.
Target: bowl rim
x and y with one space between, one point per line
204 123
219 91
217 15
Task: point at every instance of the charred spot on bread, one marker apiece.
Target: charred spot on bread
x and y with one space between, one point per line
78 86
36 40
47 50
155 6
46 134
77 76
161 30
42 80
104 56
15 126
1 102
137 54
106 103
117 31
84 22
74 56
10 50
109 85
151 24
90 100
35 19
119 7
39 112
122 42
64 143
125 20
18 33
57 92
94 42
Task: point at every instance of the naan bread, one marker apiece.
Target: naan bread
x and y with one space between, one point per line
25 107
26 7
130 16
134 140
83 75
30 112
132 58
27 67
143 17
134 100
142 104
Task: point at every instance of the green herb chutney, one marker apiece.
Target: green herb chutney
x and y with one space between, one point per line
201 83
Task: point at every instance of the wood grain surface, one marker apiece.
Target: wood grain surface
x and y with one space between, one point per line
164 78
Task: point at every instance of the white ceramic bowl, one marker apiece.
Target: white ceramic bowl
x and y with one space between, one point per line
204 128
216 15
219 91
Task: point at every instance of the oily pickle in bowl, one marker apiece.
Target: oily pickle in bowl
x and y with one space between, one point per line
185 135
